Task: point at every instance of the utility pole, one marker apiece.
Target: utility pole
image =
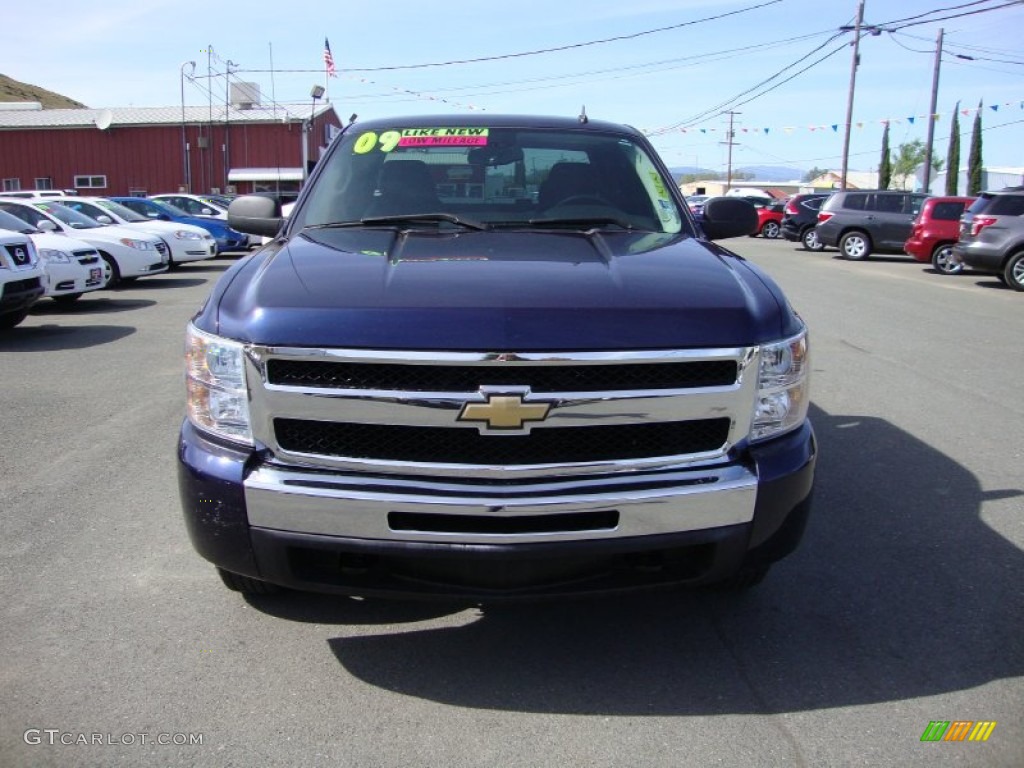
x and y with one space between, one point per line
849 98
730 143
226 148
931 117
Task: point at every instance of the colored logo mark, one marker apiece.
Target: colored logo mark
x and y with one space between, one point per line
958 730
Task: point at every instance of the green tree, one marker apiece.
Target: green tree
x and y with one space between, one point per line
908 157
974 158
885 163
814 173
953 155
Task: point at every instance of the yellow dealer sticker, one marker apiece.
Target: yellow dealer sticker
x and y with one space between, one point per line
421 137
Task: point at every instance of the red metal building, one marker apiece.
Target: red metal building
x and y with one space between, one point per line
234 148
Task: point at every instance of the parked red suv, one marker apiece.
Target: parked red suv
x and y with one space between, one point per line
769 217
935 230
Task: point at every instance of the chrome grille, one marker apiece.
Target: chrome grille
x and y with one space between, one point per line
86 257
398 412
543 378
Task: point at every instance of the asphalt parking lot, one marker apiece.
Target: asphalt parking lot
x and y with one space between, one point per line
903 606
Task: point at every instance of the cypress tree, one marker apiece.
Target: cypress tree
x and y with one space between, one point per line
953 155
974 158
885 163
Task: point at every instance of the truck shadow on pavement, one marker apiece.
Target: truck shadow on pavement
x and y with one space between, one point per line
89 305
899 590
50 338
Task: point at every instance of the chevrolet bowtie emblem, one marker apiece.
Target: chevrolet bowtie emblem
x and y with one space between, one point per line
504 412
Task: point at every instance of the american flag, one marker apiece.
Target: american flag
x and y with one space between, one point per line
328 59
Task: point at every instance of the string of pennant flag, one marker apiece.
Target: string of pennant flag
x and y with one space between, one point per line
415 94
834 127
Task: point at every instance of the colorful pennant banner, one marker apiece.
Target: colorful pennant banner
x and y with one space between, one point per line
788 129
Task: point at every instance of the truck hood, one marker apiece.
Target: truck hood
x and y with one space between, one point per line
488 291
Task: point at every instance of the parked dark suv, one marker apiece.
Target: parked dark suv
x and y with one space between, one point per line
992 236
799 218
863 222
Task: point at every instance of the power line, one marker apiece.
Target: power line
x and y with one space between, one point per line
940 10
734 101
571 46
647 67
958 15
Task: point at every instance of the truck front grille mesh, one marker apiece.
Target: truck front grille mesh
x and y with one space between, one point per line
461 445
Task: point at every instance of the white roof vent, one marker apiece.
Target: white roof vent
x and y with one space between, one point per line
244 95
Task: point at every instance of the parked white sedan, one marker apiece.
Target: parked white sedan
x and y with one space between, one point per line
129 253
186 242
72 267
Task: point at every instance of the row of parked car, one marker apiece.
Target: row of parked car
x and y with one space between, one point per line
985 233
63 246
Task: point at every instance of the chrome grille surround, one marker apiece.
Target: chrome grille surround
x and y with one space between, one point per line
441 409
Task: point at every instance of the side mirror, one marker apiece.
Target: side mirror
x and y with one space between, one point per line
726 217
104 219
255 215
45 225
207 212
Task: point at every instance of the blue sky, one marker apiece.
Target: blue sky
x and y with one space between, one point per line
119 54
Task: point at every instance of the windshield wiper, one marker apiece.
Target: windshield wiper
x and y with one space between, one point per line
415 217
582 222
411 218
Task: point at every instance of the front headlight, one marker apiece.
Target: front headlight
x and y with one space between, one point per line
141 245
53 256
217 395
181 234
782 388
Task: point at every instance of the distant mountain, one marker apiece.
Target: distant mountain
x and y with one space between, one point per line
758 172
682 170
13 90
773 172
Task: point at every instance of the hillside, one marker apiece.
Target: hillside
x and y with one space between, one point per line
13 90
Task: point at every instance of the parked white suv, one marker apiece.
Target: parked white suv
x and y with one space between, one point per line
185 241
22 280
72 267
129 253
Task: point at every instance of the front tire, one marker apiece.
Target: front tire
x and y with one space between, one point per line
748 576
110 270
246 585
770 230
942 260
810 240
855 246
12 319
1013 272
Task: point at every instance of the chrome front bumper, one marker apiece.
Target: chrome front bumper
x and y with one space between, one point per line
463 512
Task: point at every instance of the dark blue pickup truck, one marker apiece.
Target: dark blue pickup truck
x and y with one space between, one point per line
493 357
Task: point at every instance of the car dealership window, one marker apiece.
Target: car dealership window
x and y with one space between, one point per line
43 182
12 185
90 182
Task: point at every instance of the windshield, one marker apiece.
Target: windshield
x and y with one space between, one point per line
496 177
73 219
13 223
121 211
